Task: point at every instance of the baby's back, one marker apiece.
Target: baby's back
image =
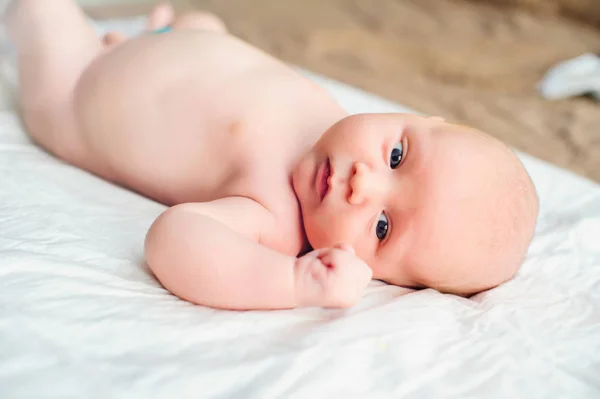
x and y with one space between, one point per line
193 116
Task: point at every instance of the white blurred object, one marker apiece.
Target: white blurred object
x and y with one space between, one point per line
574 77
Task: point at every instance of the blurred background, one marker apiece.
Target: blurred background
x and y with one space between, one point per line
476 62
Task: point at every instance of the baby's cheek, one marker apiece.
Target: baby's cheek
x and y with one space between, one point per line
320 236
341 230
319 231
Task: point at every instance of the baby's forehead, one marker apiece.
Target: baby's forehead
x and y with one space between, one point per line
464 144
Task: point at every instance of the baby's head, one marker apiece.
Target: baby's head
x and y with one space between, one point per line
423 202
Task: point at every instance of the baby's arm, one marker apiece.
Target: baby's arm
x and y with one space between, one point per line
209 254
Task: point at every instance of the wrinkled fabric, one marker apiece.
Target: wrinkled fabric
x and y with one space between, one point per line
82 316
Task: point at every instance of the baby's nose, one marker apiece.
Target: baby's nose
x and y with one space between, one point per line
364 185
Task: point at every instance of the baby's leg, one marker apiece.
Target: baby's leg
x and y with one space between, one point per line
55 44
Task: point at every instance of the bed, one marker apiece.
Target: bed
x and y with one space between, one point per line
82 316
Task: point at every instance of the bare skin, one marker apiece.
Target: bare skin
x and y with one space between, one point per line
260 166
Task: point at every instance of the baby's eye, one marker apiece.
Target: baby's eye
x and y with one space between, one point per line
382 227
396 156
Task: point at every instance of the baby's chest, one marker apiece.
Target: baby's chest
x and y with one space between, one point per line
251 150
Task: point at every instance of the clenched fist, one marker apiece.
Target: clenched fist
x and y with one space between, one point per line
331 277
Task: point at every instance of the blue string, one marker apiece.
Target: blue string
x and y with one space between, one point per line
162 30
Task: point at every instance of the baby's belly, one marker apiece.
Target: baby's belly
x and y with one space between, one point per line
173 116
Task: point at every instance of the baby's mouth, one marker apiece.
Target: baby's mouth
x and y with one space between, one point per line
323 179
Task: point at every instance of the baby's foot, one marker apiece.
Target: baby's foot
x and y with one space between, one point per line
161 16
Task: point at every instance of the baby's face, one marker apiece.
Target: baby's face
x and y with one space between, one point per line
396 188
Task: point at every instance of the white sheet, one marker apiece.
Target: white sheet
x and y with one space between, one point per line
81 317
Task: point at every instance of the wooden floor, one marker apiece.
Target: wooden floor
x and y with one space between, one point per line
469 63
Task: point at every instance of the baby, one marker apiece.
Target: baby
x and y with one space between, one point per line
278 198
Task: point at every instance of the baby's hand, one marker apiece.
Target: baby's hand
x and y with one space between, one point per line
331 277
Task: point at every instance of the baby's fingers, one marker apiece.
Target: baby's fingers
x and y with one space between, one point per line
337 258
326 257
